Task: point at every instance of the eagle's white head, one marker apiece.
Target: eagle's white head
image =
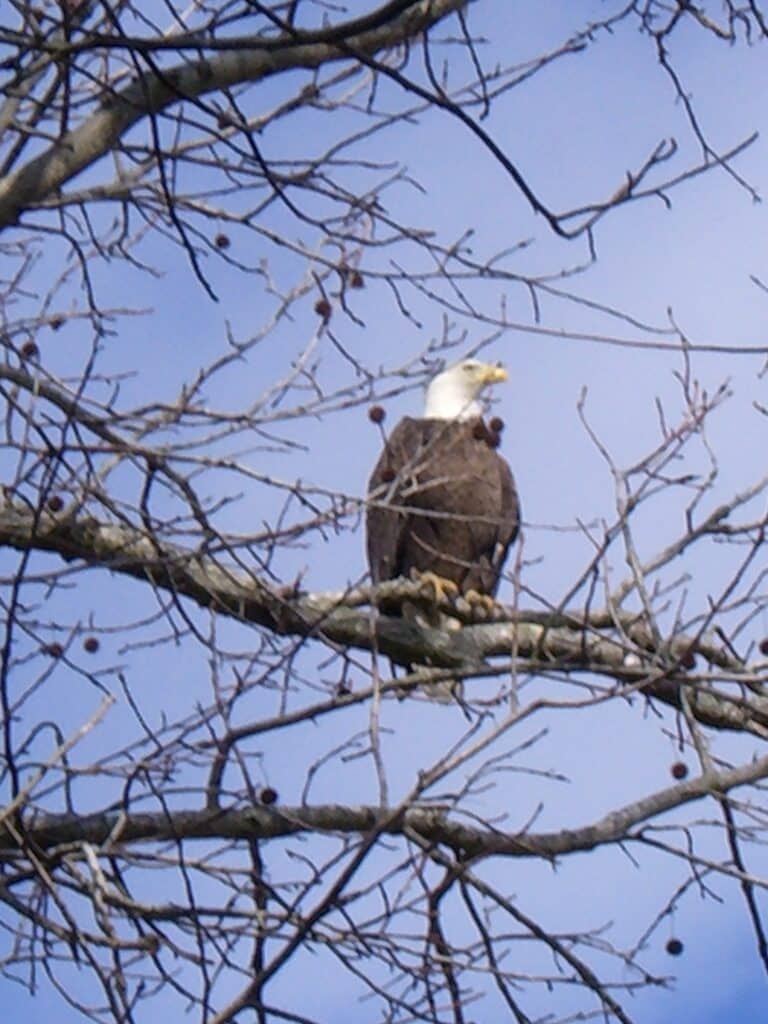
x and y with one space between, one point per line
453 394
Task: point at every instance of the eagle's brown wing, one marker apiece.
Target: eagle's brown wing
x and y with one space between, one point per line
385 522
509 523
441 499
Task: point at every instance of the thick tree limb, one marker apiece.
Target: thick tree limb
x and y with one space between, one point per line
154 92
108 828
538 643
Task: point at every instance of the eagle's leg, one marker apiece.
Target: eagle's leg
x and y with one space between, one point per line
483 604
442 589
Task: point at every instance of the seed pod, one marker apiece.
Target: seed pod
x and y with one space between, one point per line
323 309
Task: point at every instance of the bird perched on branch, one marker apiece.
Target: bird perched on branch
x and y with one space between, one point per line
442 503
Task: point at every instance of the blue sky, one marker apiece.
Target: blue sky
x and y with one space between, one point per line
574 130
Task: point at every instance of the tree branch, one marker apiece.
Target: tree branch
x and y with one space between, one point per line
119 827
155 91
539 643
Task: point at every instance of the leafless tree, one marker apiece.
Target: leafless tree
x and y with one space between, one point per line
211 798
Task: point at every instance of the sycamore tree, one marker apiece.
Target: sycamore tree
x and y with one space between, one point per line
229 229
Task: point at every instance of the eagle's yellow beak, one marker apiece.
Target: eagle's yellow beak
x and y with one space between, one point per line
494 375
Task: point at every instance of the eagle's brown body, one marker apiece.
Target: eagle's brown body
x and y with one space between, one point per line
442 500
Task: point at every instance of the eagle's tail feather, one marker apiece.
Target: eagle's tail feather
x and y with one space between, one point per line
445 691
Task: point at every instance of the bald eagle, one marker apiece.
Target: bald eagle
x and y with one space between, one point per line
442 502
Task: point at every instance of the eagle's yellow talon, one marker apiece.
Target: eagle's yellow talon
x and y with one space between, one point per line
441 588
482 606
484 601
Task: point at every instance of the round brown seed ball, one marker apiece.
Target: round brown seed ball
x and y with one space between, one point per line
323 309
